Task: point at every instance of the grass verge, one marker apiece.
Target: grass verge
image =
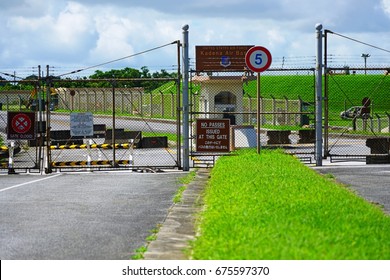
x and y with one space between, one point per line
139 252
270 206
184 182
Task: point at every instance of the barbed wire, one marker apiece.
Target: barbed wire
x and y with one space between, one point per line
357 41
116 60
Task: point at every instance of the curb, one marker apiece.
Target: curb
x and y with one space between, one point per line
178 229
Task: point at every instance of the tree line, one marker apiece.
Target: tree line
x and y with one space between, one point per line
115 77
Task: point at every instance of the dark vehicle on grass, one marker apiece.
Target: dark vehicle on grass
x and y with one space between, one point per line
355 112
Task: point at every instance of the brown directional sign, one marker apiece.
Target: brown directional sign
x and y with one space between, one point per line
221 58
213 135
21 126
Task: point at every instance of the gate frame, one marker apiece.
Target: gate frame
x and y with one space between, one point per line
210 157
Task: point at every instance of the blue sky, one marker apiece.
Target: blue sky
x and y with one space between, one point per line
72 34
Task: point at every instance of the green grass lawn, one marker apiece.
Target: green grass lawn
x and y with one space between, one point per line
270 206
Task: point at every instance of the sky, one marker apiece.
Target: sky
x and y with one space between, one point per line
70 35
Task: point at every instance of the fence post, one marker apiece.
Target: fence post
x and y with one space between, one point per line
186 152
122 101
140 105
273 110
173 103
286 106
114 164
48 121
388 121
379 122
151 104
319 65
162 104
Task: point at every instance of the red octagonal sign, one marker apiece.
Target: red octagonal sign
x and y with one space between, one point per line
21 126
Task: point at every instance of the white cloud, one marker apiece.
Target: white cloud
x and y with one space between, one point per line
71 24
386 6
89 32
112 39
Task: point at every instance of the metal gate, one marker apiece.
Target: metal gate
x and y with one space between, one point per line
93 124
287 111
357 114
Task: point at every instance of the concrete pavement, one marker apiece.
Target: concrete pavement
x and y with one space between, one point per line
178 228
77 216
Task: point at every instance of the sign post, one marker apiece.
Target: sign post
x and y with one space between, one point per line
258 59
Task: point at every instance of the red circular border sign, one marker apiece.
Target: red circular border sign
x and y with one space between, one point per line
21 123
253 67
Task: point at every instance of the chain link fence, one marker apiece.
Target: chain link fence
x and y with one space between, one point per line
140 129
78 127
286 105
356 112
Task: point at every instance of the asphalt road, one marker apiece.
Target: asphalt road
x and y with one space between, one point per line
79 216
371 182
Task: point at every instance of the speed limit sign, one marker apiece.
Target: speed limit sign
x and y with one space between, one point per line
258 59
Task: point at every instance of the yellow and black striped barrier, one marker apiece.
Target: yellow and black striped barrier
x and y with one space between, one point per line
4 164
3 148
92 146
86 163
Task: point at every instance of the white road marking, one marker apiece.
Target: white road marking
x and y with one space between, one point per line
27 183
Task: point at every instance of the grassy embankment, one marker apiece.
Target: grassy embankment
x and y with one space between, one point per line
273 207
345 91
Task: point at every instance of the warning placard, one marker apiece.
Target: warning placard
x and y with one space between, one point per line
21 126
213 135
81 124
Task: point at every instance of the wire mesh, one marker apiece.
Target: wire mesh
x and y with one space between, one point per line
286 114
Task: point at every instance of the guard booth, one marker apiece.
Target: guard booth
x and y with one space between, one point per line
221 97
309 108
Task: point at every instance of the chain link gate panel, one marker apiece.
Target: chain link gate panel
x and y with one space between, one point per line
357 114
21 153
286 111
131 128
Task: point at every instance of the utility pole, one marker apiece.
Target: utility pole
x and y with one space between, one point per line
365 56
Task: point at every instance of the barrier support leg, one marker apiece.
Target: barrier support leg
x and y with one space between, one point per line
11 169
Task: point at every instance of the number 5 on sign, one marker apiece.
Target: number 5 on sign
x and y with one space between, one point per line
258 59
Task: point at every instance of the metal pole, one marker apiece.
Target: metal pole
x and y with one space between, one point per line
365 56
48 125
178 125
186 154
114 164
258 114
326 95
41 134
319 96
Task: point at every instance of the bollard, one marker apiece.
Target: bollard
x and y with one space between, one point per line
131 150
89 143
11 169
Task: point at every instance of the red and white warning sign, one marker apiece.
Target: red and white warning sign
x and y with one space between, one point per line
21 126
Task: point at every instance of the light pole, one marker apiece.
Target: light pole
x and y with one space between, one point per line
365 56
